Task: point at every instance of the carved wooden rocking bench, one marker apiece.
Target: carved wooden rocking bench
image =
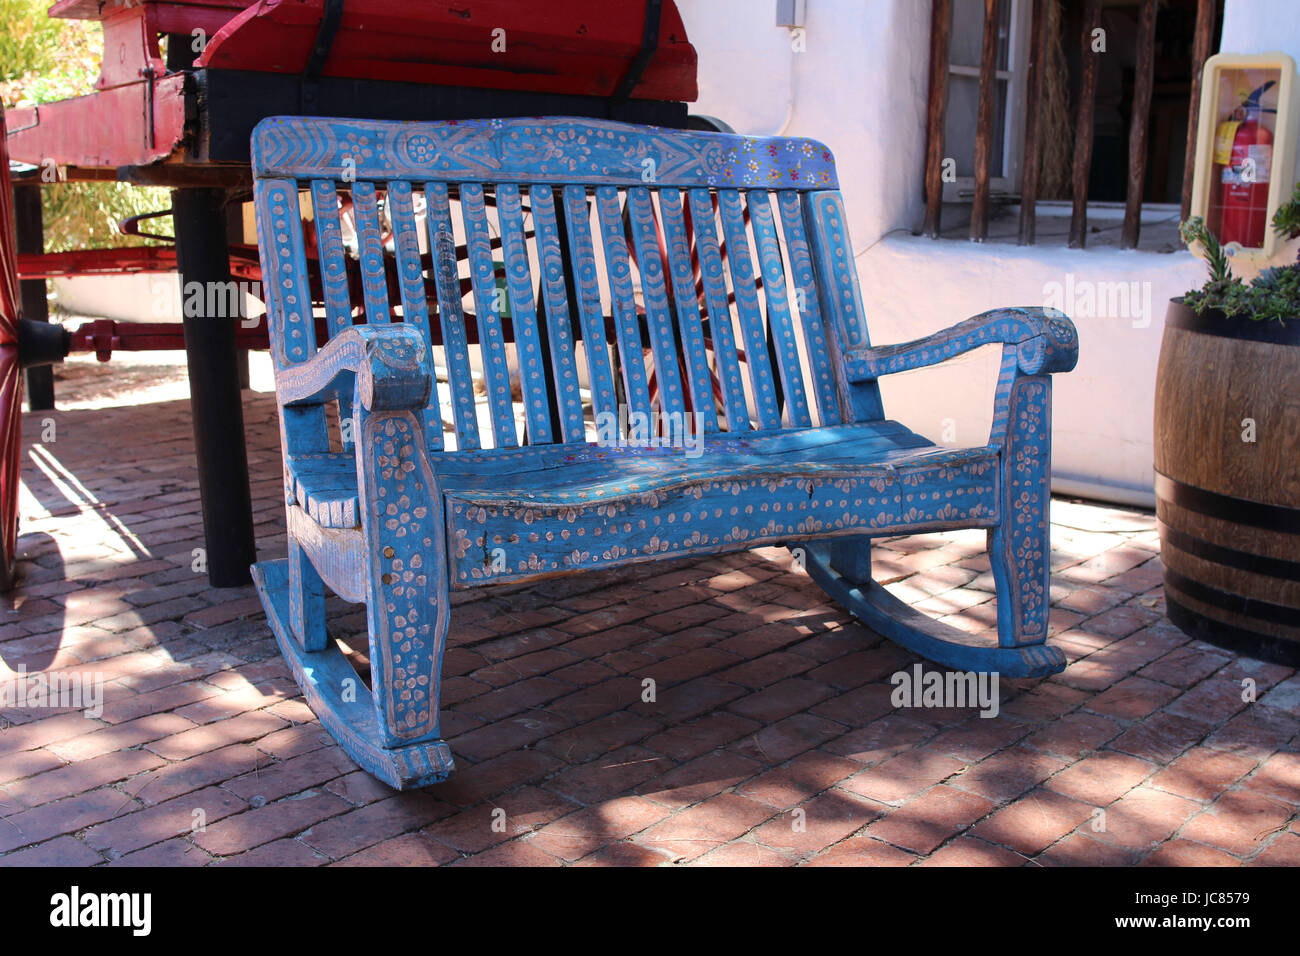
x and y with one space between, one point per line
722 263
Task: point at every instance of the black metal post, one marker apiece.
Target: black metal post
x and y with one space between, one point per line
30 229
203 256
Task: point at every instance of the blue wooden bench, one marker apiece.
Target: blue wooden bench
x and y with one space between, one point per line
698 275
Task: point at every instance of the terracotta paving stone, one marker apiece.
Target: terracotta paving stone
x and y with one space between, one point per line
174 852
626 854
903 776
863 851
127 829
772 738
742 853
1007 774
1101 778
80 776
579 834
693 832
1133 698
1160 737
826 819
1278 778
285 852
1143 818
968 851
857 706
1201 773
1187 853
377 821
1074 735
696 779
926 822
694 737
61 851
1283 851
514 853
881 739
269 822
409 849
1082 849
609 775
1034 822
979 737
1240 822
810 772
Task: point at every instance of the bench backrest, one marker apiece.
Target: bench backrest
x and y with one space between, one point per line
642 242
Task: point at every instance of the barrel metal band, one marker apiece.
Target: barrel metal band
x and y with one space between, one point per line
1257 514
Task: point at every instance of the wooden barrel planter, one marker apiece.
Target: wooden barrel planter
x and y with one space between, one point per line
1229 507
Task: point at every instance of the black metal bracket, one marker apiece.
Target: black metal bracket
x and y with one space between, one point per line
649 43
309 83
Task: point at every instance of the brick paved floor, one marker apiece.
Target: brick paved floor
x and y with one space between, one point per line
772 740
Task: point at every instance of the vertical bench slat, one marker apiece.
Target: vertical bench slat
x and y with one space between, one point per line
374 286
814 330
410 277
482 273
751 320
658 318
688 308
329 246
715 297
564 360
779 323
583 254
333 278
841 297
523 315
285 270
631 360
442 244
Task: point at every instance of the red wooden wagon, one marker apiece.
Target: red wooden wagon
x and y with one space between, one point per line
183 83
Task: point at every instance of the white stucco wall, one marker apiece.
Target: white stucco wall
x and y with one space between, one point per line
861 88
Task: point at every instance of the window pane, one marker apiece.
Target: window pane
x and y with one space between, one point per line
960 120
968 32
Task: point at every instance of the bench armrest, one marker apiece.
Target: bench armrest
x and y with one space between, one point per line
1045 341
390 362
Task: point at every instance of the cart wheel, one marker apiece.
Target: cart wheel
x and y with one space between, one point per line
11 377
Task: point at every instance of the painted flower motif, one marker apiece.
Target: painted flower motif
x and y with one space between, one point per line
422 149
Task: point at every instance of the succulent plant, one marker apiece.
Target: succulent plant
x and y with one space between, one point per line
1272 296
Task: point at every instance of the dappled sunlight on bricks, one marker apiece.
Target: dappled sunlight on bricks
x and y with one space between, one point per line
771 737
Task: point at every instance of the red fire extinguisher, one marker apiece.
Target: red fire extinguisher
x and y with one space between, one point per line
1243 159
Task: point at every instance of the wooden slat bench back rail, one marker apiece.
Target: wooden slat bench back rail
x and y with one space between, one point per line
691 279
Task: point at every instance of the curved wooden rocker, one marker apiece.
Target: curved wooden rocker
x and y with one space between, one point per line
796 450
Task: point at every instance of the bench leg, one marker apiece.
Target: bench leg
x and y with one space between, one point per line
306 600
402 520
1019 553
1019 547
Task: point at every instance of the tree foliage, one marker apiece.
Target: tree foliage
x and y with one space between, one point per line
42 60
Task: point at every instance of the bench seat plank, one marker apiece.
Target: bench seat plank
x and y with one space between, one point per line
325 483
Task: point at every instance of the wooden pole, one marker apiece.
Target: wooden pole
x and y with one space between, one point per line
1137 134
940 28
202 251
1083 126
1200 53
1029 155
979 214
